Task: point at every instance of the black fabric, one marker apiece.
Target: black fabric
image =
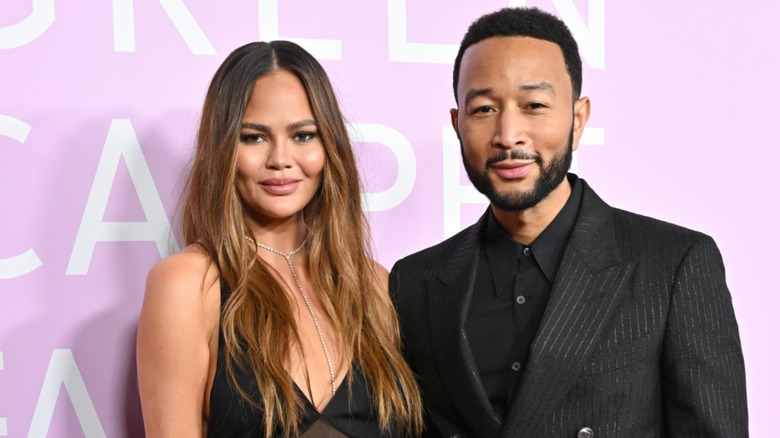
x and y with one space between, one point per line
638 338
349 413
510 294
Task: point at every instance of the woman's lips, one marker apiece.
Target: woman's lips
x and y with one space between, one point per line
279 186
512 170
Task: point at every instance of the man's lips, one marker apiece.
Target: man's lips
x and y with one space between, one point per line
512 169
279 186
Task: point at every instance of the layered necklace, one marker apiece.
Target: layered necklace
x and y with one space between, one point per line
305 300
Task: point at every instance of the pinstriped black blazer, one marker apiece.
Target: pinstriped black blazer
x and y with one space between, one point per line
638 339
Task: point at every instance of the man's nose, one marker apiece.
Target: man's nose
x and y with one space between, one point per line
511 129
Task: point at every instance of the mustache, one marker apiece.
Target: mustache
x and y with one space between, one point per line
512 154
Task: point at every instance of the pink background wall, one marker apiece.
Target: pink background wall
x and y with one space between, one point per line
99 103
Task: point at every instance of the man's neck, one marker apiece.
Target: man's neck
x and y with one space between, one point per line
525 226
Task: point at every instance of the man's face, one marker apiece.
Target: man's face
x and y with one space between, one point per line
516 119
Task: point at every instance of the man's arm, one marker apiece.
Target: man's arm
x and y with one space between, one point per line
702 366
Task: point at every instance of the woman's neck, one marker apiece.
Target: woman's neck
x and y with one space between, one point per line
283 235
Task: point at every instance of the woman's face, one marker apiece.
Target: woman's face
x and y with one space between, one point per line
280 154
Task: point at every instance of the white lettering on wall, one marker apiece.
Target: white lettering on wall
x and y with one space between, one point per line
64 371
268 20
456 194
121 143
404 155
590 38
590 137
27 30
401 50
190 31
27 261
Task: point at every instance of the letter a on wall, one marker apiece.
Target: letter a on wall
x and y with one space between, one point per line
64 371
120 143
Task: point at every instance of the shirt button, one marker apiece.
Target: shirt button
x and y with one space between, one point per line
516 366
527 251
585 432
520 299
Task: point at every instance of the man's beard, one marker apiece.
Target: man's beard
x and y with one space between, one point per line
550 176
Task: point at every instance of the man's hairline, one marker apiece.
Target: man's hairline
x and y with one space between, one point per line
563 55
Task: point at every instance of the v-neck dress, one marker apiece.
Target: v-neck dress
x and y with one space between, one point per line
349 413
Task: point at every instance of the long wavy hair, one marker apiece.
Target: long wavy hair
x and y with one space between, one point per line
257 320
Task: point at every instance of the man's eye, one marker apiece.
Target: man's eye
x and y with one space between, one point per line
482 109
536 106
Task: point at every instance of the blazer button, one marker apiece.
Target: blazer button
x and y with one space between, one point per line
585 432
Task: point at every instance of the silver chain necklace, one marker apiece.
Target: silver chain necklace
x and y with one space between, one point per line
305 300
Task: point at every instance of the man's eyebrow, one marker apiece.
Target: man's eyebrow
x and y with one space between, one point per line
476 93
540 86
531 86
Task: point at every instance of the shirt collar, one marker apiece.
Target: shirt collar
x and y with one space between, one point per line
548 247
502 251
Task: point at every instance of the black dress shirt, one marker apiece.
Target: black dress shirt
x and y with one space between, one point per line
509 297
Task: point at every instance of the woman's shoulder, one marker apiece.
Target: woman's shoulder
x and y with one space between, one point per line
176 345
188 271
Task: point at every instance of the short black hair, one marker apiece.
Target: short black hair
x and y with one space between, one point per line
524 22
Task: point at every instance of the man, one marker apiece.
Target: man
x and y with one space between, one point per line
556 315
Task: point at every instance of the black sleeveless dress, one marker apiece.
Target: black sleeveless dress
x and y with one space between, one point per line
348 414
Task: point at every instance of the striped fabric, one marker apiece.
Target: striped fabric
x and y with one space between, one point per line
638 339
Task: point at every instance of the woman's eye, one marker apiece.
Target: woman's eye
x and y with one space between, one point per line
251 138
303 137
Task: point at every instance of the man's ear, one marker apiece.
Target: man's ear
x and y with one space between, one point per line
454 120
581 116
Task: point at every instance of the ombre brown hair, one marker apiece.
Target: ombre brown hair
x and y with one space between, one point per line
257 319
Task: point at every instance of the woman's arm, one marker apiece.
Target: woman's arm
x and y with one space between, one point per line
179 320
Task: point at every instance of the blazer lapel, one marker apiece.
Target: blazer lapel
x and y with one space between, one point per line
450 295
590 282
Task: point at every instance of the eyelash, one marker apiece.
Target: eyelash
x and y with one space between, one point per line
251 138
308 134
479 109
298 137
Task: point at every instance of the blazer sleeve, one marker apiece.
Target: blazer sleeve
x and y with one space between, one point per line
702 365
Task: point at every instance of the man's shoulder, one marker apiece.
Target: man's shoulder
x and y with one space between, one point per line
656 241
436 254
638 226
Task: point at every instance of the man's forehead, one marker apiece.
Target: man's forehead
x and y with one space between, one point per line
512 46
507 58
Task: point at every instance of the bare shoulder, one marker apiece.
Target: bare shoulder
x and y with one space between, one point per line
185 287
182 270
182 288
175 343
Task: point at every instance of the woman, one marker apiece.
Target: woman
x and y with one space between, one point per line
274 320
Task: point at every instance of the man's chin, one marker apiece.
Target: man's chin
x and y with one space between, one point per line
512 187
509 197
